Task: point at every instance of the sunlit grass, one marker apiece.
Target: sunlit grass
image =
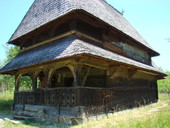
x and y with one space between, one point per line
155 115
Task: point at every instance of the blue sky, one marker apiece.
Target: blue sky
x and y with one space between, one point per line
151 18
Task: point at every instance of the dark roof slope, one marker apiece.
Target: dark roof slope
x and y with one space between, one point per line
68 47
44 11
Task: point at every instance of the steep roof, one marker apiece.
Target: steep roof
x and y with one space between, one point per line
68 47
44 11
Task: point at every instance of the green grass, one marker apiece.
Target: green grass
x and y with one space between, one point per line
155 115
33 124
6 100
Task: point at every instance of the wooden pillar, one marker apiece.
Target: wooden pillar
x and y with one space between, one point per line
76 71
34 81
17 77
85 77
50 75
47 79
156 90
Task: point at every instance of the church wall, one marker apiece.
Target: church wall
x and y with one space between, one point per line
141 88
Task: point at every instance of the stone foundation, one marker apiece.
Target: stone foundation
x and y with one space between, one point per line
67 115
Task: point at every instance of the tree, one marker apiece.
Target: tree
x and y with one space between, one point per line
164 84
7 81
11 52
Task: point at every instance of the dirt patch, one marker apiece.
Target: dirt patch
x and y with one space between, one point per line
7 117
1 123
157 109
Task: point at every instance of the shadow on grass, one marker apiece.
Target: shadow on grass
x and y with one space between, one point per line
40 124
5 106
5 110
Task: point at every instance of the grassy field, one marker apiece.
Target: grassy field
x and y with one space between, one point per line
6 100
155 115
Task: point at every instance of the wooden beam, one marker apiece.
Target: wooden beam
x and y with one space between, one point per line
86 17
17 84
80 34
85 78
112 70
50 40
131 73
72 32
92 62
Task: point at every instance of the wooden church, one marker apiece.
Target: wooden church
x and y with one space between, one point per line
83 58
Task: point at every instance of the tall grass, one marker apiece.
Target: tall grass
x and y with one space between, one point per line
6 100
155 115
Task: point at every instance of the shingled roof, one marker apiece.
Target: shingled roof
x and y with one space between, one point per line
44 11
69 47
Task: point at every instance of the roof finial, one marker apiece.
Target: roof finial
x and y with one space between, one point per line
122 11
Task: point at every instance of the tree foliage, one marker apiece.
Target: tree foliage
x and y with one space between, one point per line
7 81
11 52
164 84
25 83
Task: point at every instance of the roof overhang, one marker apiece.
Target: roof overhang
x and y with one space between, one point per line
70 47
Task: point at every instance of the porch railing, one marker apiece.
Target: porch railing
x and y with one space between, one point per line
83 96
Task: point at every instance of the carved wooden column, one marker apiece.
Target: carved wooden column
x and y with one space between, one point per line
47 74
34 81
85 77
76 71
17 77
50 74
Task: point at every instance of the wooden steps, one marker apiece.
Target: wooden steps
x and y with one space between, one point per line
23 118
